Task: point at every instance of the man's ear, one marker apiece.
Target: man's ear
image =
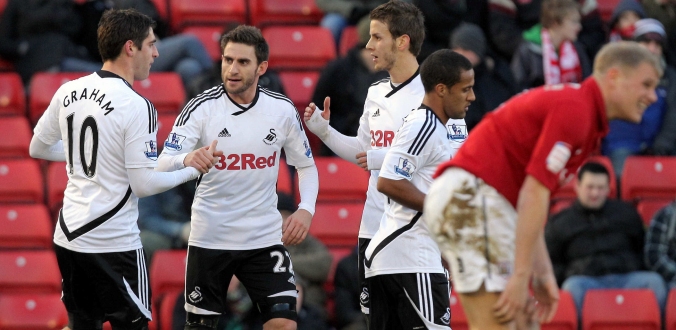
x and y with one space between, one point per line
403 42
262 68
441 89
129 48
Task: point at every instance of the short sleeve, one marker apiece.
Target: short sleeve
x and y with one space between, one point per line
563 133
140 138
47 129
296 146
457 130
406 154
184 136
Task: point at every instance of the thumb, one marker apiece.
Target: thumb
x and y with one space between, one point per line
212 147
327 111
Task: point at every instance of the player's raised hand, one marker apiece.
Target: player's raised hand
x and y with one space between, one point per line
203 158
295 227
317 121
362 160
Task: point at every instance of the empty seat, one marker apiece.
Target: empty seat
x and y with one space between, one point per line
32 311
341 181
21 181
568 190
203 12
646 177
458 317
670 317
634 309
57 179
164 90
299 86
165 124
649 207
25 226
29 271
12 96
210 36
566 315
16 136
299 47
167 272
284 183
166 314
348 39
337 224
271 12
42 87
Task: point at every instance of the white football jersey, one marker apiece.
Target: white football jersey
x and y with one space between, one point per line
106 128
403 243
385 108
235 205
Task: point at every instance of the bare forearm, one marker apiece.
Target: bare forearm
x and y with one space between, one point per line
532 213
402 192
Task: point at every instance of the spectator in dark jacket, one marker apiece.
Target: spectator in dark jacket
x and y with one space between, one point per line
660 244
493 80
598 243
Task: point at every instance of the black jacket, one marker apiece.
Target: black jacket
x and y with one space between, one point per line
493 85
595 242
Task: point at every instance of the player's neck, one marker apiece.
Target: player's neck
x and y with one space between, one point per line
245 97
404 68
437 107
120 69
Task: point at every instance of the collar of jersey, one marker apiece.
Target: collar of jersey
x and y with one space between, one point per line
397 88
244 109
108 74
423 106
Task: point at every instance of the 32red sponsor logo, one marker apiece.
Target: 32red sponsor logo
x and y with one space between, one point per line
237 162
381 138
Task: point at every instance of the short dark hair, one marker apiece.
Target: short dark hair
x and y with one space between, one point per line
117 26
594 168
555 11
443 67
248 35
402 18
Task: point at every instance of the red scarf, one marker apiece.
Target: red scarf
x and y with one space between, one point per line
563 67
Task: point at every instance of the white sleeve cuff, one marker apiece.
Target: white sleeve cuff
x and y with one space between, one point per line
375 158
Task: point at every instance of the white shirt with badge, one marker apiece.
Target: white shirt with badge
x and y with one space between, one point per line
235 205
106 128
402 243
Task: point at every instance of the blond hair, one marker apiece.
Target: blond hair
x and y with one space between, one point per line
625 55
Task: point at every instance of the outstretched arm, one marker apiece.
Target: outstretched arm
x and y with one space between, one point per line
317 121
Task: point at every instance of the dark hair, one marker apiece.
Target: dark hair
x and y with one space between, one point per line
443 67
592 167
554 11
248 35
117 26
402 18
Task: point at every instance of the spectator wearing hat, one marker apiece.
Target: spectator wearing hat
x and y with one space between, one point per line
493 80
549 54
347 80
625 14
665 12
656 134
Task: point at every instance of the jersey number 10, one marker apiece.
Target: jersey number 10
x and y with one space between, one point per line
89 122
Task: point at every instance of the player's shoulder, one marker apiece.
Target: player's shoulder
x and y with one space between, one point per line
380 82
281 104
199 103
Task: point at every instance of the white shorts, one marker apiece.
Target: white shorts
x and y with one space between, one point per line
475 227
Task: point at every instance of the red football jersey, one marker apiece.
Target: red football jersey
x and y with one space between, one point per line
545 132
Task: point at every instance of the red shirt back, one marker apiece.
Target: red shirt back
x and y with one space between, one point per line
545 132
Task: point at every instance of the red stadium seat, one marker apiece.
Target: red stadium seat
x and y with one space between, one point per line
649 178
32 311
606 7
210 36
6 65
165 123
348 39
458 317
271 12
299 47
164 90
166 315
284 183
620 309
566 315
649 207
670 317
299 87
17 137
3 3
25 226
167 272
29 271
337 253
337 224
341 181
21 181
568 190
57 179
12 96
162 8
206 12
42 87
